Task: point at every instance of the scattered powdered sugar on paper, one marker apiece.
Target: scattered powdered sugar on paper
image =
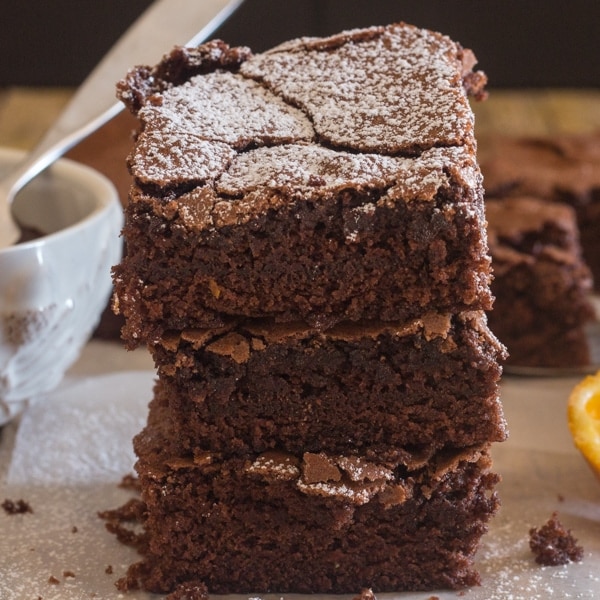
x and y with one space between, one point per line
535 484
66 459
509 572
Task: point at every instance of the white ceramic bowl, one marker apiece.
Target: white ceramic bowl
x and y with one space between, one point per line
53 289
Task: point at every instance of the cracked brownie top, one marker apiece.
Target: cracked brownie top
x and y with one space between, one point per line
356 102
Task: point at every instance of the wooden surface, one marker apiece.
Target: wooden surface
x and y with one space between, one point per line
538 112
25 113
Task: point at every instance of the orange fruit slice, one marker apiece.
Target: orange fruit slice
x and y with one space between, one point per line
583 415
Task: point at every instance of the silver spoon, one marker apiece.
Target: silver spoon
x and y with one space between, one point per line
164 24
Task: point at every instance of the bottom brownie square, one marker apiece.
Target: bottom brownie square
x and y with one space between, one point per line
312 523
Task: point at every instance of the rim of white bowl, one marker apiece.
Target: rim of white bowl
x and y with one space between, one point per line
107 196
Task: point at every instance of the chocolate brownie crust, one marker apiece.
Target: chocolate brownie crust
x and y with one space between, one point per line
427 74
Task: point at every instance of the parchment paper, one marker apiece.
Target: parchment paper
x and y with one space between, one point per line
70 450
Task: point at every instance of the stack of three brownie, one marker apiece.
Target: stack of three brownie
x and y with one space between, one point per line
307 263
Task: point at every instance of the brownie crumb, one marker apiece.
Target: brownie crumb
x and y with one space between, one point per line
127 584
74 529
130 482
67 574
132 580
109 570
365 594
53 580
554 545
130 512
190 591
18 507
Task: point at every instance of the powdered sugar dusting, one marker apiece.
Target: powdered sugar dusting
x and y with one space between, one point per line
194 128
355 494
389 93
188 157
307 166
359 469
226 107
310 167
358 110
276 465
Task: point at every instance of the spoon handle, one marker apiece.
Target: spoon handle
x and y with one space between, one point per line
164 24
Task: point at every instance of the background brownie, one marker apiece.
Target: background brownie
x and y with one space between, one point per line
564 168
541 283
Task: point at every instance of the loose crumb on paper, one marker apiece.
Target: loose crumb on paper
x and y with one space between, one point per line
16 507
553 544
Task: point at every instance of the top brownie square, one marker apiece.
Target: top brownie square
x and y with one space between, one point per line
325 180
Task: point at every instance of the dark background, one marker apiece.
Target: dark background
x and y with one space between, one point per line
519 43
